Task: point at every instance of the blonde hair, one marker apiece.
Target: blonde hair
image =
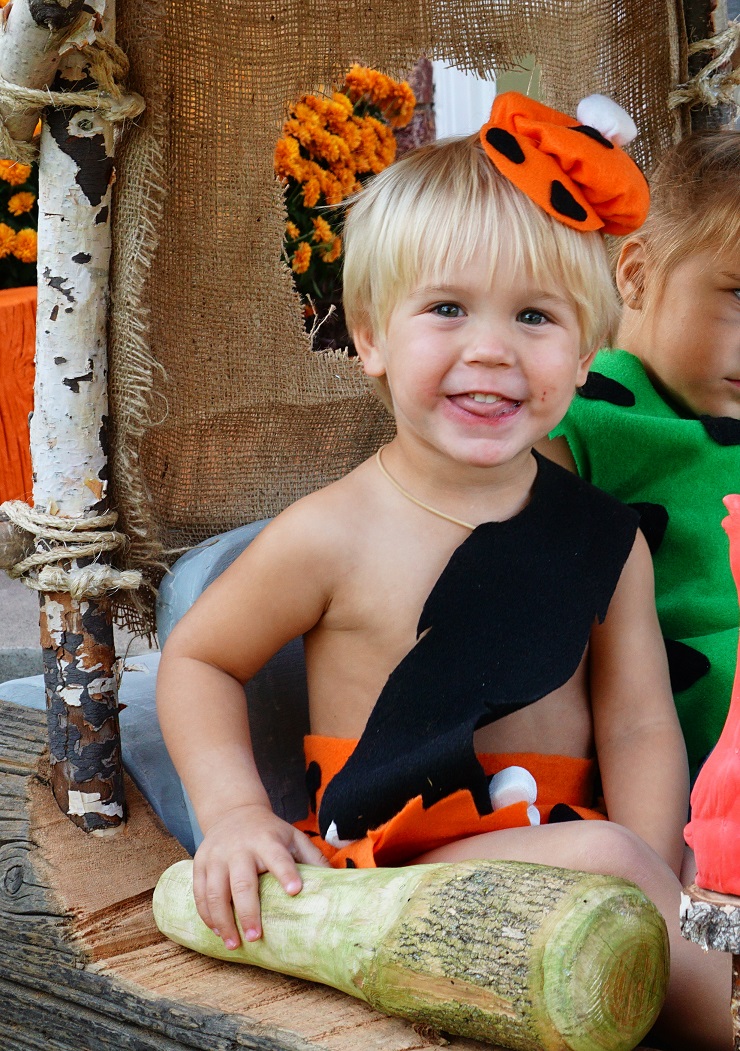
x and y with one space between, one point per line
695 202
428 214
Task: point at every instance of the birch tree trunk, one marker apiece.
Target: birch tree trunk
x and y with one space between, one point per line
705 19
69 428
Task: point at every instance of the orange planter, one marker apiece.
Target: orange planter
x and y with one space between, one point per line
17 343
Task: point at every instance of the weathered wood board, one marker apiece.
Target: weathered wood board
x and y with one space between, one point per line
82 965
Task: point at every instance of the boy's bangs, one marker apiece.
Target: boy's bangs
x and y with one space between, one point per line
511 234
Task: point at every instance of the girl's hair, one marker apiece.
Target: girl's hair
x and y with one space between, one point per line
428 214
695 202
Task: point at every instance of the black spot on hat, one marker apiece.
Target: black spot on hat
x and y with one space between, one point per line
564 202
313 783
505 143
653 523
685 664
586 129
562 812
722 429
599 387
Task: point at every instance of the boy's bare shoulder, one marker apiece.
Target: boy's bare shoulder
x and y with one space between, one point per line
330 516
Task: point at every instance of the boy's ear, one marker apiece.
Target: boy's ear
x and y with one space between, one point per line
630 272
584 364
369 351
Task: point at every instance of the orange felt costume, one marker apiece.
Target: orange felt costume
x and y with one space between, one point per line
416 829
567 168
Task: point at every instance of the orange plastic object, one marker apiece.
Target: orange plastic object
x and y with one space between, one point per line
17 341
714 829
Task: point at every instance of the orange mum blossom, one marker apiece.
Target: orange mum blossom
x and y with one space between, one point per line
292 231
287 158
395 100
333 253
25 245
7 240
321 230
14 172
311 192
21 202
301 258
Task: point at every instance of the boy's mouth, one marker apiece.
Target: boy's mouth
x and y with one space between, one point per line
485 404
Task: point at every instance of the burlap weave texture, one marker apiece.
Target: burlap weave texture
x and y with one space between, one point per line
221 413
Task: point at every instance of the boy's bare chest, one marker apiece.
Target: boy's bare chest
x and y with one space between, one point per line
373 629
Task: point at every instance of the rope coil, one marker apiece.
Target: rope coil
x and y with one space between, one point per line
711 87
68 539
107 64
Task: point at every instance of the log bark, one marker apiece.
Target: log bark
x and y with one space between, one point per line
713 922
82 964
69 427
33 34
704 19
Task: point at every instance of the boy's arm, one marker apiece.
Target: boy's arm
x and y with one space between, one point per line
276 590
639 744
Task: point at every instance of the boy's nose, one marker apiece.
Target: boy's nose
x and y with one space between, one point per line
490 347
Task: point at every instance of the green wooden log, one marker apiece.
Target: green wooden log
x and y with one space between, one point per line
525 956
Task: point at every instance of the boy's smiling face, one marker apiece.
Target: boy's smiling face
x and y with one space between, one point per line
477 370
689 340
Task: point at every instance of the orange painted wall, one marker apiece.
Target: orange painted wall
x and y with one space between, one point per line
17 340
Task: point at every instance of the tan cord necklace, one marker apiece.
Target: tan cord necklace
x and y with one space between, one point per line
414 500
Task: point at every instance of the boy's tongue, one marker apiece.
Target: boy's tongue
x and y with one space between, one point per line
486 406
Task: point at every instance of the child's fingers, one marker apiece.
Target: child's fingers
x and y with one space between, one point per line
246 900
282 866
212 894
308 853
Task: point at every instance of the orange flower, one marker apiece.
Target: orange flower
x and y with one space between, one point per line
14 172
311 192
287 158
25 245
395 100
21 202
321 230
292 231
334 252
7 240
301 258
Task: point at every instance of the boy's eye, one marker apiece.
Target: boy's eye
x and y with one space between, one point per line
447 310
532 317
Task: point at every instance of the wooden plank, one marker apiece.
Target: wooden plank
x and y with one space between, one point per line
83 965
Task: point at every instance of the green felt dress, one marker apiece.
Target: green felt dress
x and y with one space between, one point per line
626 439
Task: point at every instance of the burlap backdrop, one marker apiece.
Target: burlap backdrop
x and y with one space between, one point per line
221 413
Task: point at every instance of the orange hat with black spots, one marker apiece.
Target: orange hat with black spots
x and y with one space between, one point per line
570 167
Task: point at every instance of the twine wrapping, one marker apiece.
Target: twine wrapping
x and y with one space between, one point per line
710 87
107 63
68 539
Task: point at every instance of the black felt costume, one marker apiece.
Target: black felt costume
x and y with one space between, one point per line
507 623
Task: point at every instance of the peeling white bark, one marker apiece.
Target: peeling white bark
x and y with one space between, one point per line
30 50
71 397
69 423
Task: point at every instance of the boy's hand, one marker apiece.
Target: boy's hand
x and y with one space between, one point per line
246 841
